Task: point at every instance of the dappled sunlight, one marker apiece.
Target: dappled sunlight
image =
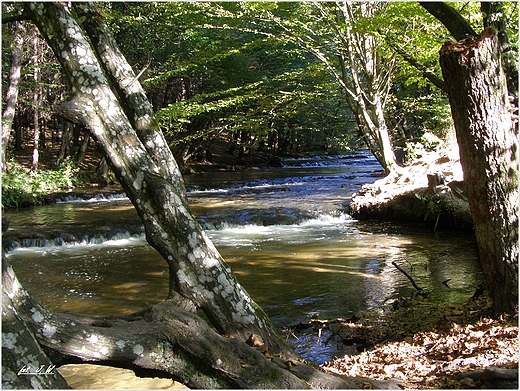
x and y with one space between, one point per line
129 286
217 163
436 357
96 280
101 377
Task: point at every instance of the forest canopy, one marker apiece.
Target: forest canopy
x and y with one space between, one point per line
248 75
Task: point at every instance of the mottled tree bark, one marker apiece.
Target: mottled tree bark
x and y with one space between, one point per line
110 102
488 147
22 355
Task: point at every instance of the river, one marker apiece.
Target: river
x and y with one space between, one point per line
284 232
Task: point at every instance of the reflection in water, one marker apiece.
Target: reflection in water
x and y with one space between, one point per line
118 276
338 275
283 231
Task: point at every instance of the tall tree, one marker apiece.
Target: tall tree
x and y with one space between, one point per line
488 148
145 167
495 15
336 34
488 144
502 16
12 89
169 337
366 76
36 103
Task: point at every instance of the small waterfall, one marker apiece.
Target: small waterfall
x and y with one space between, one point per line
78 239
362 157
102 197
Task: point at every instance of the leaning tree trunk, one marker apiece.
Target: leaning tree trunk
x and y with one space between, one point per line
36 104
368 75
24 364
169 337
12 89
488 146
109 101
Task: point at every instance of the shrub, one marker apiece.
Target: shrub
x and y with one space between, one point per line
21 188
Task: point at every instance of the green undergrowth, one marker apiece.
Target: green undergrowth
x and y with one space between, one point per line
23 188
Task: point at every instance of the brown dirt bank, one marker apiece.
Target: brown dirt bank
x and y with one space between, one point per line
406 195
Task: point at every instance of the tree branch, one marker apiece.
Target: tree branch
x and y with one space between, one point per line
458 27
16 18
426 71
407 276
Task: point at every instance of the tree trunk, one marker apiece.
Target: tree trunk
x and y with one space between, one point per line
102 168
82 151
36 106
366 81
24 364
12 89
18 138
489 156
494 16
458 27
124 127
108 99
66 141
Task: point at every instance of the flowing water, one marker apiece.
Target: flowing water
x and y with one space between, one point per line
284 231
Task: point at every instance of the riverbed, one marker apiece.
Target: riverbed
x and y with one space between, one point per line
284 231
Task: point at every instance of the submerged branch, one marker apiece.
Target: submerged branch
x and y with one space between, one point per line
407 276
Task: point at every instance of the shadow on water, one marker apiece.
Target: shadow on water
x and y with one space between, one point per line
283 231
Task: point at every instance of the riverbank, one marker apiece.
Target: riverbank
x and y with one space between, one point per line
83 178
356 250
421 345
428 191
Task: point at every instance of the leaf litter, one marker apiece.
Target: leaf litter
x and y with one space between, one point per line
428 345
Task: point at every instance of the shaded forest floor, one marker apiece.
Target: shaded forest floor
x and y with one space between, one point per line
423 345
